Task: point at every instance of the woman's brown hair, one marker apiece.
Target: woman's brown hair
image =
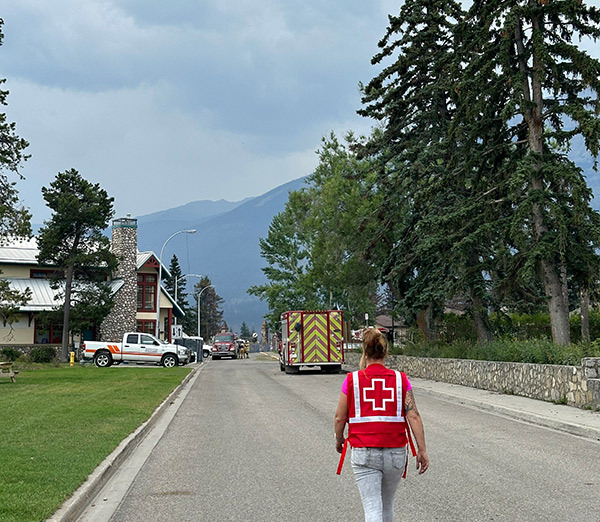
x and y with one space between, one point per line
374 346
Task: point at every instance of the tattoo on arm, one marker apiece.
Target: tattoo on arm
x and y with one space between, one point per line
410 404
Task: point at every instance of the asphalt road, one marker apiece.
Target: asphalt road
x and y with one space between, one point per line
251 443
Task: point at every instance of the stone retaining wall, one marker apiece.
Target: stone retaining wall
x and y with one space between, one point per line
573 385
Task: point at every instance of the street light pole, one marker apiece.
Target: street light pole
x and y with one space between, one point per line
199 295
189 231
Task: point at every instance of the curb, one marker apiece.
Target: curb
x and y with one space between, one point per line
76 504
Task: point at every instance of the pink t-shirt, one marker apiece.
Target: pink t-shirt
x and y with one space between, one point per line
345 385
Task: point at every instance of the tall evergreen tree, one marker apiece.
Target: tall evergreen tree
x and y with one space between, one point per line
176 286
14 218
413 98
72 239
554 86
245 331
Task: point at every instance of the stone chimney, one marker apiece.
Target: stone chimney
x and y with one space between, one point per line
121 319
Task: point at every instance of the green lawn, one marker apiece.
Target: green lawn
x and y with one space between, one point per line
57 425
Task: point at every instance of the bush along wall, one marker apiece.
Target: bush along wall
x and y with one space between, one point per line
9 354
43 354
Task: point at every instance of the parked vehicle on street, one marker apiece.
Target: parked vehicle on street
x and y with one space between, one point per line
311 338
225 346
136 347
190 340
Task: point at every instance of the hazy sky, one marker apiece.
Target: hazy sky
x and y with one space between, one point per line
164 103
167 102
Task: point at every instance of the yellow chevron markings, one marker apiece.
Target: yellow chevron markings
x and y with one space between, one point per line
315 340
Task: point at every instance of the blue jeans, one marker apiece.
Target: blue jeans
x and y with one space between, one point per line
378 472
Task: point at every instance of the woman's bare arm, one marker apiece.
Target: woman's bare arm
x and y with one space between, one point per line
339 421
416 425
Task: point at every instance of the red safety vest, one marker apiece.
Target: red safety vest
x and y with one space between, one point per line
376 408
375 416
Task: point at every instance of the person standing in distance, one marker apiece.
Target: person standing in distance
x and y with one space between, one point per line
377 403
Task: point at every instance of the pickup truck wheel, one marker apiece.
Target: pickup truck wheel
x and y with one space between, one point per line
103 359
281 366
169 361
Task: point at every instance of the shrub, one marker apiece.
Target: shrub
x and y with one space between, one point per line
539 351
10 354
453 328
575 321
43 354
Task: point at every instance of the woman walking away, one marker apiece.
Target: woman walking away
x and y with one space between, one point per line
377 403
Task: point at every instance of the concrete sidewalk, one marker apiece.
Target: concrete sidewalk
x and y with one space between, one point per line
575 421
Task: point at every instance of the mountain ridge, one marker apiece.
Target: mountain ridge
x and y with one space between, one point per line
225 246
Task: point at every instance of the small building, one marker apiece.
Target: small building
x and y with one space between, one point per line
134 285
386 324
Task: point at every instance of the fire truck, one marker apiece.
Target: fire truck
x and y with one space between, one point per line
224 346
311 338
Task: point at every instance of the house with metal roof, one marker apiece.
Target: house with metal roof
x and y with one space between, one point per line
134 286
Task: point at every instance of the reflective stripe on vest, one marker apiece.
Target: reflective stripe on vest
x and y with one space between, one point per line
359 418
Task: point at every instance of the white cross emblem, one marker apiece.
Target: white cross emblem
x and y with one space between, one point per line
382 389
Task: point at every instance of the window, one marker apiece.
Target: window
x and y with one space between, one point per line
146 294
146 326
146 339
40 273
132 339
48 334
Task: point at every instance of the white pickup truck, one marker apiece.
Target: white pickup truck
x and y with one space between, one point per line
136 347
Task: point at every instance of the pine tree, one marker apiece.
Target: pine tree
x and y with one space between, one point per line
176 286
245 331
422 203
72 240
553 97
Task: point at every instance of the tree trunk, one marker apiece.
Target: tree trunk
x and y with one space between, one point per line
558 306
584 300
481 319
64 351
426 323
